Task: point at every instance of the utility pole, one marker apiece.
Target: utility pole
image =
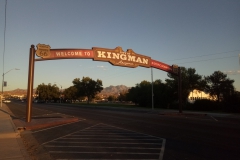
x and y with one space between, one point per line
152 90
3 82
180 89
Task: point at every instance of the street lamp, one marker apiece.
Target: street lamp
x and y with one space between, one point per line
60 98
3 81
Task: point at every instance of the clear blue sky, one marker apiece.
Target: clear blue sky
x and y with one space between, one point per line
202 34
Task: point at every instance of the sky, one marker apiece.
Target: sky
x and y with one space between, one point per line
200 34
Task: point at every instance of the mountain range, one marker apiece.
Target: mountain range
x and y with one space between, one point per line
111 90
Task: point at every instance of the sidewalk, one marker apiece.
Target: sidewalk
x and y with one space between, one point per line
11 145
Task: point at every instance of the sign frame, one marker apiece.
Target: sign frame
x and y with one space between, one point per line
115 56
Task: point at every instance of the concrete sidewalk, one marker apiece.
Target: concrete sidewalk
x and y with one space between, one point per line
11 145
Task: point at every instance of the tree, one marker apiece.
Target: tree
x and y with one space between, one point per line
163 94
47 92
122 96
111 98
87 87
190 81
218 84
70 93
140 94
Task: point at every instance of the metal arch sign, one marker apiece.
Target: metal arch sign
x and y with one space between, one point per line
114 56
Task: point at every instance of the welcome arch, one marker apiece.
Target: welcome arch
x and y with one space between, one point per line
116 57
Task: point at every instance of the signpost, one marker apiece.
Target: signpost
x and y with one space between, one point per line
116 57
30 83
175 68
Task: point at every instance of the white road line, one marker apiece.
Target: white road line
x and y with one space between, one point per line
157 144
55 146
99 130
67 135
116 139
103 135
72 152
131 131
162 149
116 133
105 142
213 118
105 159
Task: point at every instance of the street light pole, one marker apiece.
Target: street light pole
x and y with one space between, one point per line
3 82
60 91
152 90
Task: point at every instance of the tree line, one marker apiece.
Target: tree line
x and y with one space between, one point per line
217 85
80 89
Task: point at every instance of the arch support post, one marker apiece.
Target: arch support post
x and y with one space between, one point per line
30 83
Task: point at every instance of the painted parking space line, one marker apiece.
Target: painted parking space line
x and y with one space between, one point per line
106 142
213 118
54 146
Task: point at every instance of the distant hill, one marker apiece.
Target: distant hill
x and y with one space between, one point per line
111 90
17 92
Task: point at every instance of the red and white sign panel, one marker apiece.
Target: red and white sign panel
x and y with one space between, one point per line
71 53
115 56
67 54
160 65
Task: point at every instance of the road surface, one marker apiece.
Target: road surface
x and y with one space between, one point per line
115 133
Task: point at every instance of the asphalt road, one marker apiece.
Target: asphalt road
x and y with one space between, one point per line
112 133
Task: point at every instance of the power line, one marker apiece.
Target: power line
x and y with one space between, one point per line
201 55
232 72
239 59
121 73
207 59
134 71
118 74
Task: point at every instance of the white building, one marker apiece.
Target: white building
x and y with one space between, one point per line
196 94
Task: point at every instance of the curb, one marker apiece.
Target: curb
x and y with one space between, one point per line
183 114
42 123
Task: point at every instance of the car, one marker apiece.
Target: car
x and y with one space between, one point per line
6 101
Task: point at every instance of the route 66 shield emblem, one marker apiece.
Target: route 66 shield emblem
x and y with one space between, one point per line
43 51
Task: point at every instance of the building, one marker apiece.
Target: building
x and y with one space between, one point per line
197 94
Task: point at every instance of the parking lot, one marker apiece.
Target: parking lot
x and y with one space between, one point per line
102 141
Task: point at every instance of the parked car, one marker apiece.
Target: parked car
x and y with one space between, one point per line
38 101
7 101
